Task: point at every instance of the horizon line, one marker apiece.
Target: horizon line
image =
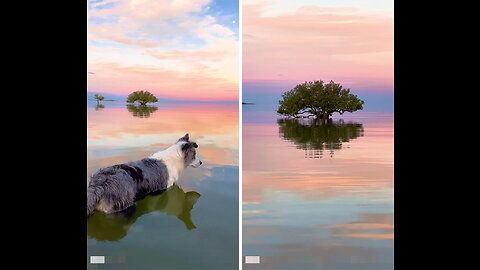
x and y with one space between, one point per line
119 95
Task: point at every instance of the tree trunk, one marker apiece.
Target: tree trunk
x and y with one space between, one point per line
322 116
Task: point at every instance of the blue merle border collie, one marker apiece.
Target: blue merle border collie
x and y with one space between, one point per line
115 188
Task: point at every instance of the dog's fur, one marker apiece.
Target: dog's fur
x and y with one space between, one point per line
117 187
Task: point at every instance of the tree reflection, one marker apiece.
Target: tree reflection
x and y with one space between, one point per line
173 201
314 135
141 111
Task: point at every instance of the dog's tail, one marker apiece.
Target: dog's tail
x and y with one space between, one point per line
94 193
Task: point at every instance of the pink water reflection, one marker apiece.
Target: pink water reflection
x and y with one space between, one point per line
355 178
363 165
115 136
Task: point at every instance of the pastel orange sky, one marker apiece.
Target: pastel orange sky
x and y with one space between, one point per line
174 49
350 42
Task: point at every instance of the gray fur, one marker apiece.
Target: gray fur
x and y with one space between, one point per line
189 152
185 138
118 187
188 149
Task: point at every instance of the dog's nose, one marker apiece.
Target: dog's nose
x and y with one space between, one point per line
201 162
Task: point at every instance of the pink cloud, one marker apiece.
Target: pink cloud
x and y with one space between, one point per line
118 36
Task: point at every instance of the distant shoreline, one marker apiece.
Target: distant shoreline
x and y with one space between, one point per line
173 101
102 100
248 103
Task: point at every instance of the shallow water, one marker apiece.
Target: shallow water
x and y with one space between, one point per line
318 195
193 225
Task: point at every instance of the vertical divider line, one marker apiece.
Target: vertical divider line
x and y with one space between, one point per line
240 22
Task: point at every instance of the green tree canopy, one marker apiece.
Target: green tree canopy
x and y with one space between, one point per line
319 100
98 97
141 96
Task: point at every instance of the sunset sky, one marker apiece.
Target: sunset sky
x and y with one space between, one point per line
289 42
188 49
181 49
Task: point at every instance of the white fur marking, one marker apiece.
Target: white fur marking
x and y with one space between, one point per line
173 158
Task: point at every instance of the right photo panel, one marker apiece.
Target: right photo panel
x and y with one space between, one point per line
317 134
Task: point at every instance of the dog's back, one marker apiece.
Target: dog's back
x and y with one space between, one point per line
117 187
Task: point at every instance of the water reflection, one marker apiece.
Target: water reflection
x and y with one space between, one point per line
99 107
314 135
299 213
141 111
173 201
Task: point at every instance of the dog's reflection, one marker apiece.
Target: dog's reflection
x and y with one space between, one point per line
173 201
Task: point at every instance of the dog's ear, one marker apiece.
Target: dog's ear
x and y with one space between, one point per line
184 138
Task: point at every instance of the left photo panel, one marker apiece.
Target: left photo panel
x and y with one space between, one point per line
162 134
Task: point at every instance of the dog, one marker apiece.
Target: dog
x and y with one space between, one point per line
115 188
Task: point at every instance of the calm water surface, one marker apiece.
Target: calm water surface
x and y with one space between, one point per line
193 225
318 195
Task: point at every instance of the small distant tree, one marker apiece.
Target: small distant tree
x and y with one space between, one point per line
98 98
318 100
143 97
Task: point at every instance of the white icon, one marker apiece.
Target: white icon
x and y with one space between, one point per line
97 259
252 259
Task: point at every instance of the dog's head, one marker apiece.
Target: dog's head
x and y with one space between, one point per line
189 150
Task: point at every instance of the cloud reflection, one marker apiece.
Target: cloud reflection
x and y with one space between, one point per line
115 136
214 127
371 226
362 168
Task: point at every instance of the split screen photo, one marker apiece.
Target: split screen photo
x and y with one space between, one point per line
251 134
